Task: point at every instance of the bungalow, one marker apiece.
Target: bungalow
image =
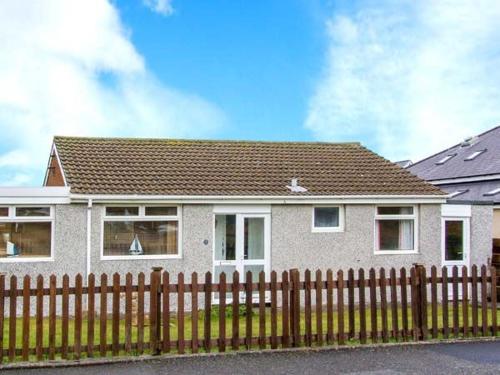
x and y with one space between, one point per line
126 205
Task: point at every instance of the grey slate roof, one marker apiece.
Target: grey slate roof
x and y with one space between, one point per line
486 163
474 191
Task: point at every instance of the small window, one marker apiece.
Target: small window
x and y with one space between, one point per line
122 211
32 211
458 192
327 219
492 192
161 211
395 229
445 159
4 211
389 210
474 155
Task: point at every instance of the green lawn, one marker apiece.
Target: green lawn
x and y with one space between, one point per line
215 327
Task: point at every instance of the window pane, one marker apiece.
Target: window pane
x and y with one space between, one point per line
395 210
161 211
4 211
33 211
454 240
254 238
395 234
25 239
140 237
326 217
225 237
122 211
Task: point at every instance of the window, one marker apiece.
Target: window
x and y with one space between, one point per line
474 155
25 233
445 159
454 240
327 219
139 231
395 229
122 211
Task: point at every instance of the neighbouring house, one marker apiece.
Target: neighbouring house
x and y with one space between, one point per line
126 205
470 172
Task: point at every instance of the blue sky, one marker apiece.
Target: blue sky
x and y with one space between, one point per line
405 78
257 63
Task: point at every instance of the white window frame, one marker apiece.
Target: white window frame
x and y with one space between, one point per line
12 218
413 217
142 217
339 228
466 241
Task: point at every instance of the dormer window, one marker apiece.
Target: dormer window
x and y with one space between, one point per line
445 159
474 155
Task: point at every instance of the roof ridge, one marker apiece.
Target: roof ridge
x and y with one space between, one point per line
452 147
194 140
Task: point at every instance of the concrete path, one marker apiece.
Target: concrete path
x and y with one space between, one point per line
459 358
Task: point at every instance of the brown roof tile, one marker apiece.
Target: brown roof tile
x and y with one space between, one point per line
243 168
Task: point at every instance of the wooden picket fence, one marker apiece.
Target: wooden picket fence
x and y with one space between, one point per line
101 320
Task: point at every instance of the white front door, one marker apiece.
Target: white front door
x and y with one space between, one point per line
455 244
241 243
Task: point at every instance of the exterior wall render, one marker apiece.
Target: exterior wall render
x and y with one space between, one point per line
481 240
295 246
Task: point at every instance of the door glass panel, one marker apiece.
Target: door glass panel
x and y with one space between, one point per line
454 240
228 270
254 238
225 237
255 270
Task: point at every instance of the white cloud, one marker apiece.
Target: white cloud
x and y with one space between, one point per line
411 78
69 68
163 7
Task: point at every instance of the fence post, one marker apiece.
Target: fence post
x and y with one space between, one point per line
295 306
156 284
419 301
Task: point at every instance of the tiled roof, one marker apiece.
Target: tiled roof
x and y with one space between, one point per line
486 163
229 168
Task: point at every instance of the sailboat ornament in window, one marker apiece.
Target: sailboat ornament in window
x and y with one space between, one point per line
136 247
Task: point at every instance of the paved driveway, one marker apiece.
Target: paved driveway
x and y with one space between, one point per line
462 358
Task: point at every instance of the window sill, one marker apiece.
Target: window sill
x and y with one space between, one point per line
327 230
141 257
395 252
26 260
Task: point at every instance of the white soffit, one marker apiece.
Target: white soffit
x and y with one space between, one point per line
34 195
456 210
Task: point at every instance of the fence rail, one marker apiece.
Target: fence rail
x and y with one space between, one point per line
43 320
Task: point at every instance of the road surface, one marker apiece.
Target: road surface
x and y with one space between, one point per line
460 358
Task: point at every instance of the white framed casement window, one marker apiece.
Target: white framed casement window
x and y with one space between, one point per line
396 229
141 232
327 218
26 233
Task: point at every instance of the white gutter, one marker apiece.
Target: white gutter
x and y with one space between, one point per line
251 199
89 237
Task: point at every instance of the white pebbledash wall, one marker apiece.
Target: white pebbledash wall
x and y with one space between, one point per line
293 244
